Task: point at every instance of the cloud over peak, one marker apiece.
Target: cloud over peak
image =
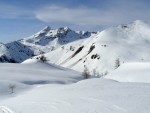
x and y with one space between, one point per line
111 13
90 16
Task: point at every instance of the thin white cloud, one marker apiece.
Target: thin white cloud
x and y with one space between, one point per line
10 12
80 16
91 16
122 11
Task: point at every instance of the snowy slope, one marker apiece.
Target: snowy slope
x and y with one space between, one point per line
128 43
25 75
14 52
48 88
3 49
132 72
89 96
18 51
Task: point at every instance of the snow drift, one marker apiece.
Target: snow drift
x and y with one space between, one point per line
132 72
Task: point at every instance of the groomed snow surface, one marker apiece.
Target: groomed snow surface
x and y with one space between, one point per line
47 88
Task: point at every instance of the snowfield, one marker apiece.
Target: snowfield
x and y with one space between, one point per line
132 72
89 96
47 88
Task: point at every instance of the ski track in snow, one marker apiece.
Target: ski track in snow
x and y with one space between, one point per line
5 109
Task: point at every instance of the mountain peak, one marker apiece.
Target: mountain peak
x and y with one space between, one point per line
43 31
46 28
67 28
64 29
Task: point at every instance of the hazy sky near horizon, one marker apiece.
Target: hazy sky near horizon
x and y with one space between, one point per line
22 18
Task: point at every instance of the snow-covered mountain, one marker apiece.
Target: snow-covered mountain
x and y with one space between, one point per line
98 51
42 42
34 86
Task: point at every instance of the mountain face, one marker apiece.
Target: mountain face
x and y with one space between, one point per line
42 42
104 51
99 51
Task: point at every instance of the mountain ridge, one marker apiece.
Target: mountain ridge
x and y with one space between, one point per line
96 50
43 41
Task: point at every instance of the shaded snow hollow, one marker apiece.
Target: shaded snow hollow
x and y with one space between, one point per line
28 74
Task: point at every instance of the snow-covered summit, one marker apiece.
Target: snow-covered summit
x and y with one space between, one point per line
62 35
43 41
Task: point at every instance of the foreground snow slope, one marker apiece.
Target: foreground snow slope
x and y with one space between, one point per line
132 72
25 75
46 88
88 96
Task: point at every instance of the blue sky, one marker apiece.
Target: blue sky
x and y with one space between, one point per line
22 18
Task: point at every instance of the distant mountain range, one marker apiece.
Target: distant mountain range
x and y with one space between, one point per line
98 51
42 42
